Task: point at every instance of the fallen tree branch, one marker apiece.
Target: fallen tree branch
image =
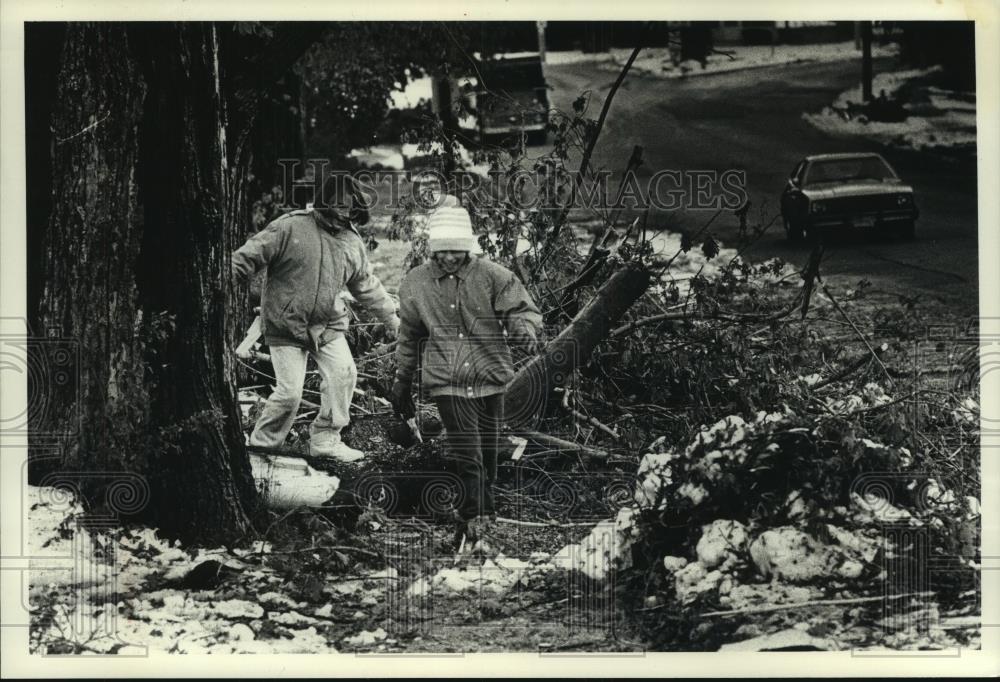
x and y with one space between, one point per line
652 319
818 602
338 548
723 317
543 524
527 393
562 445
590 420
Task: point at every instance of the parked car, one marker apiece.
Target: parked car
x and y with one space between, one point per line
832 192
512 98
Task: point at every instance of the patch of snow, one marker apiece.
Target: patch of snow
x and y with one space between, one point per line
721 544
654 473
792 637
387 573
811 379
366 637
293 618
972 504
967 413
607 547
795 506
241 632
307 641
276 599
875 508
694 579
672 564
658 62
561 57
695 492
687 264
289 482
747 596
237 608
950 122
345 588
787 553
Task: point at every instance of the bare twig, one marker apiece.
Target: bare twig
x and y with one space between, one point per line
339 548
562 445
590 420
625 328
817 602
550 242
543 524
857 331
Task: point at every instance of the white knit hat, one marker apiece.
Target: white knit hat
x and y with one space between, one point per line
450 229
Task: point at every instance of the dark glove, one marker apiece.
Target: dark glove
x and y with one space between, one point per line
402 399
530 343
524 337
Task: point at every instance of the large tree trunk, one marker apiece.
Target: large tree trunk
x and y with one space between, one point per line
89 245
135 274
144 209
527 395
203 485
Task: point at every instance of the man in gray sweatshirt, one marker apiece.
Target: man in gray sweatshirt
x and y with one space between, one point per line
311 257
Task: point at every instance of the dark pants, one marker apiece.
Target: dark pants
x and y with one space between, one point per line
473 439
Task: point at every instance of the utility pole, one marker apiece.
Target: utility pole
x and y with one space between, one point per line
866 61
540 25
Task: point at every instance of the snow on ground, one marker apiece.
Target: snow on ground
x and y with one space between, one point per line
658 62
687 265
400 156
938 118
88 592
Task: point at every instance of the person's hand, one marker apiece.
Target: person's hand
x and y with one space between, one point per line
530 343
534 345
402 399
524 337
392 328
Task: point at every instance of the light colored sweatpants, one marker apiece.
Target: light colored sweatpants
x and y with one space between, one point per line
340 376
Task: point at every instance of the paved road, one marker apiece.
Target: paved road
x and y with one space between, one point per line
752 120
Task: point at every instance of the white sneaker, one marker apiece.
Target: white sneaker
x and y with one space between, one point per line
338 450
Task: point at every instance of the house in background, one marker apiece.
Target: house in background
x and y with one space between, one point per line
780 32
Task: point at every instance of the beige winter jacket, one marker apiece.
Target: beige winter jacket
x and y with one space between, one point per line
309 262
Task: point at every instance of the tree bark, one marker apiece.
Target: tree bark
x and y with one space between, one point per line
143 207
203 486
526 396
90 244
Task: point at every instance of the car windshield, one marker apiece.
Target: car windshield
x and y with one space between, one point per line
840 170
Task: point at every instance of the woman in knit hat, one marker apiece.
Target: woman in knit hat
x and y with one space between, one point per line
459 313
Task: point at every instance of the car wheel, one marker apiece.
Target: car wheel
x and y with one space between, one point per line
907 230
793 231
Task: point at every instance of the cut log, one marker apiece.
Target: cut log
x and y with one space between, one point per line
526 396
